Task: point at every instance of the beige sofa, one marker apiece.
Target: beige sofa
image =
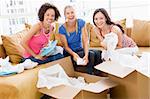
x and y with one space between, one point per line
23 86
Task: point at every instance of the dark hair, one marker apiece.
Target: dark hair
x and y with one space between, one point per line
44 8
108 19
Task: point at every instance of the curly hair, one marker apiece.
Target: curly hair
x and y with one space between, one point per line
44 8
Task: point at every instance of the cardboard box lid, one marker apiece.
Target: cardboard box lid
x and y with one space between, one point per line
61 92
68 92
115 69
100 86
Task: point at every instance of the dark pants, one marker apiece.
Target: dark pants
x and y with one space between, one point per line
94 59
48 59
98 60
97 57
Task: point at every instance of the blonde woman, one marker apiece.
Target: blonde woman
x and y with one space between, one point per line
75 40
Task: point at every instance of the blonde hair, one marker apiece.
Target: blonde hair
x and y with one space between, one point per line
68 6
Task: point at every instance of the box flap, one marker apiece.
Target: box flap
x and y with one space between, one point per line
96 84
115 69
61 92
100 86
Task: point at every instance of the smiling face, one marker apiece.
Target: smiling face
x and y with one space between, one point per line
49 16
70 14
100 20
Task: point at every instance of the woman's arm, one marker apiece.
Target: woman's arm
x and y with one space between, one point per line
85 41
119 33
67 48
98 34
25 40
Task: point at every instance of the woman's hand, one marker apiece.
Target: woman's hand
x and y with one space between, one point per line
98 34
39 57
85 58
104 45
75 56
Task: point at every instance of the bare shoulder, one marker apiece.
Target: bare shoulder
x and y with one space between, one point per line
115 29
35 28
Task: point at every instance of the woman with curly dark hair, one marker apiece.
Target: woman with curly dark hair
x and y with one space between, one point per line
39 34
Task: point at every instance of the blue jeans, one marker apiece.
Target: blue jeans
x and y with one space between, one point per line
89 68
94 59
48 59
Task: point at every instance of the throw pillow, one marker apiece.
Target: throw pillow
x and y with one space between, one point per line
2 52
94 41
56 35
122 22
141 32
13 47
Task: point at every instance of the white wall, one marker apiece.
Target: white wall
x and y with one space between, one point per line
14 22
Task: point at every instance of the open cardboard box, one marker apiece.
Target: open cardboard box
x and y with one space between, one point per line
131 83
96 91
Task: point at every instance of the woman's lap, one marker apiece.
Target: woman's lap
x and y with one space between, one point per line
48 59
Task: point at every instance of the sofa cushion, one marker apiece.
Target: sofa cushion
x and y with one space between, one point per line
2 52
122 22
141 32
56 36
93 40
13 47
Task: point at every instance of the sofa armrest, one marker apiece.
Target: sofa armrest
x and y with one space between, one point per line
23 85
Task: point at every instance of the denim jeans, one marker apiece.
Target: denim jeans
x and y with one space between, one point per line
94 59
89 67
48 59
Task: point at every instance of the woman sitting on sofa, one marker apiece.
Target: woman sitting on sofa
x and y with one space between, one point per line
75 41
104 26
38 36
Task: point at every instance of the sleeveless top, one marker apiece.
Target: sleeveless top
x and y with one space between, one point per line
74 39
126 41
37 42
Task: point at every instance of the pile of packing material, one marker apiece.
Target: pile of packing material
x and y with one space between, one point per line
6 68
132 75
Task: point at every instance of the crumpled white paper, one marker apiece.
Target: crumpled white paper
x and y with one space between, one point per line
80 61
111 41
6 66
55 75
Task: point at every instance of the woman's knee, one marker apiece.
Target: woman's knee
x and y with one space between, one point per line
91 55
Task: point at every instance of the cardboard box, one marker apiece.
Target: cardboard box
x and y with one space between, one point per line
131 83
96 91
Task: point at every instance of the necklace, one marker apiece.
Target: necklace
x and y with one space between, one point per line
76 26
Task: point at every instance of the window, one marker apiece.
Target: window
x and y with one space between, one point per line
13 13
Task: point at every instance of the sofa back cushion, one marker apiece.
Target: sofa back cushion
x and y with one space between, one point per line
13 47
56 35
141 32
122 22
2 52
93 40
